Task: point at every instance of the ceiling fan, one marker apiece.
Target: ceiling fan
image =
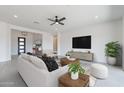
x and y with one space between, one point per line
57 20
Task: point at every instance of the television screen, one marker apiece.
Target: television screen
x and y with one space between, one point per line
83 42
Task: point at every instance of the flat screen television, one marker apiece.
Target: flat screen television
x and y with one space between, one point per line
83 42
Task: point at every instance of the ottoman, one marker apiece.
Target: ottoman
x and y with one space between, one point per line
99 71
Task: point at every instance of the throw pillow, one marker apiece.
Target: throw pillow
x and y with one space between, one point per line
50 63
38 62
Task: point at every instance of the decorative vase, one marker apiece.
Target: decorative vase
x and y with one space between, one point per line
74 76
111 60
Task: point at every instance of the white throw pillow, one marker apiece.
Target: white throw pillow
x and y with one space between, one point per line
25 56
38 62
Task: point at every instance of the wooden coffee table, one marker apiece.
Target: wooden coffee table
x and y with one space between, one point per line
66 81
65 61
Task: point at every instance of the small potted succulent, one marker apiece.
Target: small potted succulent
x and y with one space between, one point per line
75 69
112 51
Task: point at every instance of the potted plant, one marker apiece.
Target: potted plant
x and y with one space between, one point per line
75 70
111 51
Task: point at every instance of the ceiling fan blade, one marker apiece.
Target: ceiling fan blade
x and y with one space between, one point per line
61 23
53 23
62 19
51 19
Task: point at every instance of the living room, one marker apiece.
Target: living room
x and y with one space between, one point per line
53 33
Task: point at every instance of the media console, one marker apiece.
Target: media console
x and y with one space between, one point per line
82 55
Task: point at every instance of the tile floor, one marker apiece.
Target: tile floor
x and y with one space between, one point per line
9 76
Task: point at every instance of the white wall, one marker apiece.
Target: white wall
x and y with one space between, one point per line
101 34
14 41
123 44
47 38
5 39
31 38
5 42
47 42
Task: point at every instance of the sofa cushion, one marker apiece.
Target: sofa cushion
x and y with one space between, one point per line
25 56
50 63
38 62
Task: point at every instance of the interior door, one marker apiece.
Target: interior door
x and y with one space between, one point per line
21 45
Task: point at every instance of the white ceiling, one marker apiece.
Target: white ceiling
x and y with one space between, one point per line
76 16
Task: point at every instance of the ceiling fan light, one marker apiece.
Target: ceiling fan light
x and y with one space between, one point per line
57 23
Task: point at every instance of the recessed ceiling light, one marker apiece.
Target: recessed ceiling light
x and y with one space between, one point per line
96 17
15 16
56 28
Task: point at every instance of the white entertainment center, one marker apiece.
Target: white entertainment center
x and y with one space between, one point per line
82 55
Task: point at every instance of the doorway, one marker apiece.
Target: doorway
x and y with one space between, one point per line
55 43
21 45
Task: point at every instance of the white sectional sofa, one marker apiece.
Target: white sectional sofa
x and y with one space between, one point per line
35 74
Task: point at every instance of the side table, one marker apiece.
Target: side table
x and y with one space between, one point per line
65 61
66 81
